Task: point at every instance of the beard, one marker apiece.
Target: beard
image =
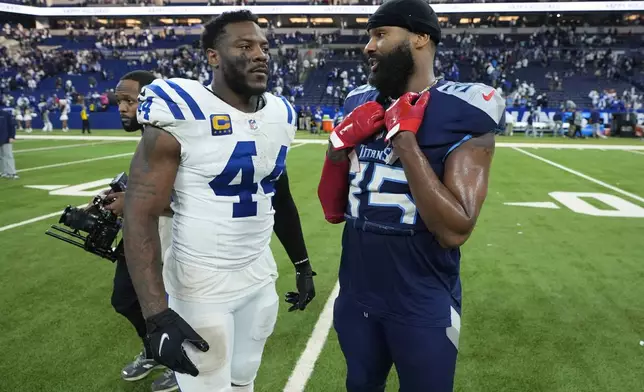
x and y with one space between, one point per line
130 124
393 72
236 78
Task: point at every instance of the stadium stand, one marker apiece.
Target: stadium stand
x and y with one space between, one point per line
540 70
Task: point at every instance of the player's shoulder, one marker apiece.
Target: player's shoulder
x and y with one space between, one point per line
174 84
170 100
358 96
279 109
469 102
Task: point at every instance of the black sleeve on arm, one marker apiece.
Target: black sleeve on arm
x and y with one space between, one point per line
287 222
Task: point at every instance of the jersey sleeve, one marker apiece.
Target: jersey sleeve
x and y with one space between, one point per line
358 96
166 104
479 108
289 114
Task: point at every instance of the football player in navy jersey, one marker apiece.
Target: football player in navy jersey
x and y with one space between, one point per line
407 170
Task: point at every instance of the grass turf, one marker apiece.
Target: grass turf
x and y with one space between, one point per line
551 296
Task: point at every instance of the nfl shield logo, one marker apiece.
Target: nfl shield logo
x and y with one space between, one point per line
252 124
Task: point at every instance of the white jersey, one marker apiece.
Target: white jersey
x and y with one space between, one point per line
64 112
230 160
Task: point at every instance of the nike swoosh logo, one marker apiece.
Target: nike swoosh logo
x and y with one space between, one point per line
143 92
163 339
489 95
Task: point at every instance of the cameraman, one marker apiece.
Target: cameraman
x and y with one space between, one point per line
124 298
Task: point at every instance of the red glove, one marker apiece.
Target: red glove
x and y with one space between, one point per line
333 190
362 122
405 115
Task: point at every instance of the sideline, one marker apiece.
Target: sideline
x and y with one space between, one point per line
564 146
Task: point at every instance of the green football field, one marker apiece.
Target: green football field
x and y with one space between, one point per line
553 288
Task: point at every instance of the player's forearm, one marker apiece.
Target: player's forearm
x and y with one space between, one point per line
143 257
289 230
439 209
287 225
146 198
337 156
333 188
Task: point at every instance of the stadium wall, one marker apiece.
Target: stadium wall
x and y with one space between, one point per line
111 119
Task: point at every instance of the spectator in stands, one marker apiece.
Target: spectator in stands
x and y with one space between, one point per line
7 137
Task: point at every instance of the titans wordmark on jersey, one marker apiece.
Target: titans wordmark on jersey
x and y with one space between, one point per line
230 160
456 112
411 279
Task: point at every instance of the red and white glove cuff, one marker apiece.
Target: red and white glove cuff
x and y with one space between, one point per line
402 126
336 142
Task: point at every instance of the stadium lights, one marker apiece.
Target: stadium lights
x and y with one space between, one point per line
451 8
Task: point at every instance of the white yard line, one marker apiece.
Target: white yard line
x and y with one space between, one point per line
574 146
39 218
94 159
78 137
36 219
582 175
304 367
75 162
306 363
636 152
63 147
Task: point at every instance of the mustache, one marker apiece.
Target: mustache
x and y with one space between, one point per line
261 68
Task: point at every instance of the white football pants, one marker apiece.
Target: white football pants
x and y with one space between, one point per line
236 333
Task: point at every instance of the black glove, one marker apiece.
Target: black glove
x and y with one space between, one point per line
305 287
166 332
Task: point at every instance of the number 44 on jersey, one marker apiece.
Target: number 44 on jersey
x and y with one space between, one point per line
242 160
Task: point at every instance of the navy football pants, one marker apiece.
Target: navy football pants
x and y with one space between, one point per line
425 358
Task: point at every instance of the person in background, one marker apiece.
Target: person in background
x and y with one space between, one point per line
557 119
7 137
64 113
85 119
595 121
17 114
124 299
317 118
44 108
27 117
509 124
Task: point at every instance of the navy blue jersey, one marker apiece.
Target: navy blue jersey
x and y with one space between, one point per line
395 267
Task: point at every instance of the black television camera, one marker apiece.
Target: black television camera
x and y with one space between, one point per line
102 226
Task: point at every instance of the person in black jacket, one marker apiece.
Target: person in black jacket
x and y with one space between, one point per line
124 298
7 137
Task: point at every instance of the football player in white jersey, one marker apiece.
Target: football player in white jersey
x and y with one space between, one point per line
64 113
220 152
